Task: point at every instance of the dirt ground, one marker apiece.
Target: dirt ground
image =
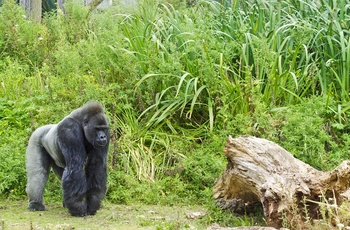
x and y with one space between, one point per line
14 215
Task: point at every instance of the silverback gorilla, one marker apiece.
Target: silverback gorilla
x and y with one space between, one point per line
76 149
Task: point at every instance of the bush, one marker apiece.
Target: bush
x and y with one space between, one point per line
13 119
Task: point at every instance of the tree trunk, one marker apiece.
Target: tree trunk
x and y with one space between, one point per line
260 172
33 9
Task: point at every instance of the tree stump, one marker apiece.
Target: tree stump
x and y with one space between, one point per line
260 172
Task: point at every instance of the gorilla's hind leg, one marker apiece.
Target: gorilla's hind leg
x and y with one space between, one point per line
38 168
59 172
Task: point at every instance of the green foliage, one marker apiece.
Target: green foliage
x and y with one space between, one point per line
178 171
12 172
21 39
181 100
306 135
227 218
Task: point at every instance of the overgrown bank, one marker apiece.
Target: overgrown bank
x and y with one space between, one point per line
175 81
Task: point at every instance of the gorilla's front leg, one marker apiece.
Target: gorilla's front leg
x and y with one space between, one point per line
74 191
96 172
74 185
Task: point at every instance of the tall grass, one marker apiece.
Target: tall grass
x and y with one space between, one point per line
277 52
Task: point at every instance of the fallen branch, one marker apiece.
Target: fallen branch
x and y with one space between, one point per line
260 172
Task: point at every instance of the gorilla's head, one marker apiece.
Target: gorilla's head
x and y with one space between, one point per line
95 125
96 132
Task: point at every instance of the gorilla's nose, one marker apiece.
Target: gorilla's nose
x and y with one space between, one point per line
103 137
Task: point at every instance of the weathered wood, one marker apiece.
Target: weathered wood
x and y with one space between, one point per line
261 172
33 9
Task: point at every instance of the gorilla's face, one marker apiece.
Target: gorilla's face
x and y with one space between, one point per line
96 130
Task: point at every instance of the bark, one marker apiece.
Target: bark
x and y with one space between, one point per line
260 172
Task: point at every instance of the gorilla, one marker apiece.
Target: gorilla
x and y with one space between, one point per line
76 149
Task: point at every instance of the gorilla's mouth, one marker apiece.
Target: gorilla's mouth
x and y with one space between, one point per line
101 143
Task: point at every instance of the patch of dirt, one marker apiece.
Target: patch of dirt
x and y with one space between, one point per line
14 215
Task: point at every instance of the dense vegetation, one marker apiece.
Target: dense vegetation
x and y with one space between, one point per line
176 79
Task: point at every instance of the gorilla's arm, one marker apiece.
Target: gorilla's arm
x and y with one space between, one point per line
71 143
96 173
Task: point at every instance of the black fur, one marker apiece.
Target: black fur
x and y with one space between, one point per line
76 149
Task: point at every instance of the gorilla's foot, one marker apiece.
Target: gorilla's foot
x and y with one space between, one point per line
78 214
36 206
91 213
